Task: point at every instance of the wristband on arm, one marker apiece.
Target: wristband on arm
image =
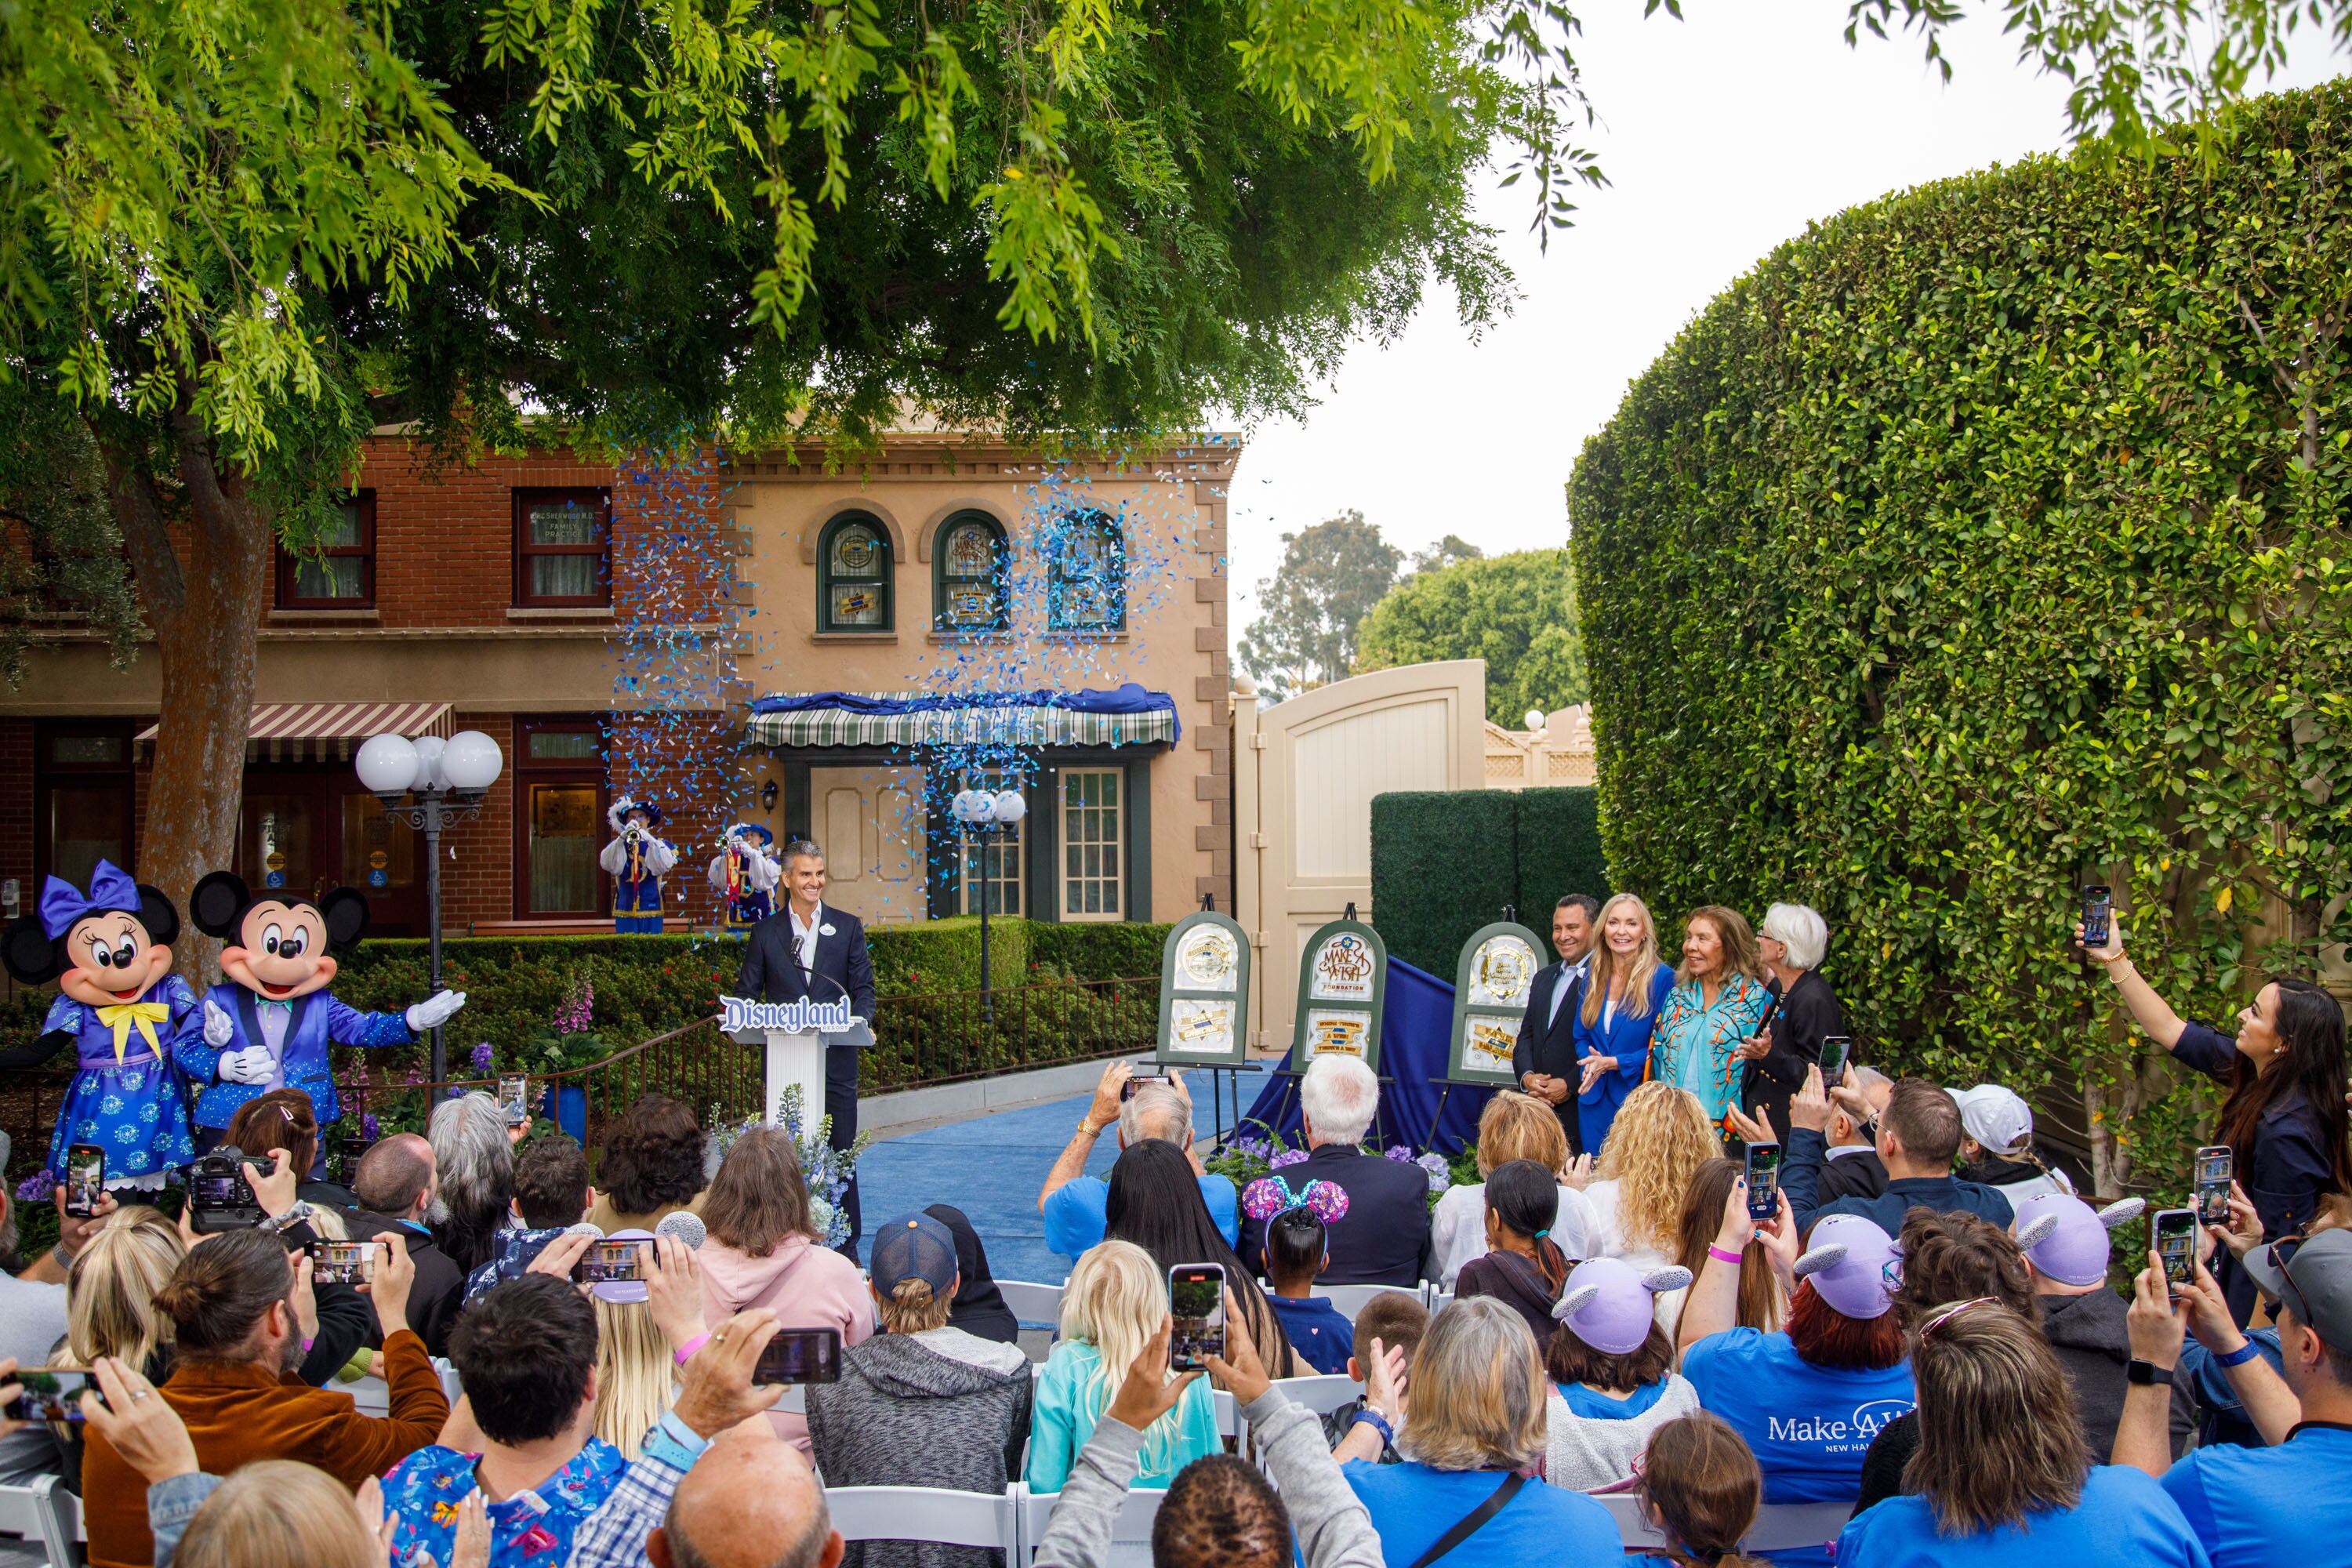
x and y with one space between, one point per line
1720 1256
2241 1356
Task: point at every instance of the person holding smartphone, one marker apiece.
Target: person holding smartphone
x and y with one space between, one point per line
2284 1119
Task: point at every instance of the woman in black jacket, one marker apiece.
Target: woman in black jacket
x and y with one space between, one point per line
2284 1117
1524 1269
1793 939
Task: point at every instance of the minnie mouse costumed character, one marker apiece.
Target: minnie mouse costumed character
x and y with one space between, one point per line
637 862
269 1024
120 1005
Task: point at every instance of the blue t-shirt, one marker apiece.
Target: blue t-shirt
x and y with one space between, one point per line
1808 1426
1073 1215
2124 1518
2290 1504
529 1530
1316 1329
1595 1405
1413 1505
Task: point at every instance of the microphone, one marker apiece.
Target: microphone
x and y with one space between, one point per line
683 1226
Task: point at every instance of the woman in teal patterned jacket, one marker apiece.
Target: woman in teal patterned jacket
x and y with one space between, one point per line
1718 1001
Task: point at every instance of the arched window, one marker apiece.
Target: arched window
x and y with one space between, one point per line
1086 574
852 575
970 567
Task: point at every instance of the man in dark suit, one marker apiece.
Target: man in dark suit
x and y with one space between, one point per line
808 949
1545 1057
1383 1238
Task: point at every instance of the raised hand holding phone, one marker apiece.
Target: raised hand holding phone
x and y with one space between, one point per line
1238 1371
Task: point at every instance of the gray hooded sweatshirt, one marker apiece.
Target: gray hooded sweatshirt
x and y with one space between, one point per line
941 1408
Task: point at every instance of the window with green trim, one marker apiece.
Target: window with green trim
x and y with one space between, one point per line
971 562
852 575
1086 574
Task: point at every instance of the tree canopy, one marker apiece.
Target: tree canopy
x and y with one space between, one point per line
1518 612
1305 634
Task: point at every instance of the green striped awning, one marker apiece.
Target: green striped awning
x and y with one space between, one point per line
874 719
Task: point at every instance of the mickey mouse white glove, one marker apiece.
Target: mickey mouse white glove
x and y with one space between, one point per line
219 1027
251 1064
433 1010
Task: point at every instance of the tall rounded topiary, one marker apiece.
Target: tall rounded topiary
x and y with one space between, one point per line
1989 540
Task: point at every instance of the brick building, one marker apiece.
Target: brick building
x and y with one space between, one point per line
610 630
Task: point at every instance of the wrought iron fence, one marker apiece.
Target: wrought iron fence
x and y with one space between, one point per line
935 1037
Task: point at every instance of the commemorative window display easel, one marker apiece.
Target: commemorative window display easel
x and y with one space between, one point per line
1491 979
1205 976
1343 979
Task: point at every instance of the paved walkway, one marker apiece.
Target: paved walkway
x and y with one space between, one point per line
991 1167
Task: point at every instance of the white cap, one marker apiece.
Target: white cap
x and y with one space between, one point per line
1995 1117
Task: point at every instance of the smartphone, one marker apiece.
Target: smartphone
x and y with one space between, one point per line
2098 903
51 1393
800 1356
1196 1301
609 1263
512 1099
1835 1049
342 1262
2215 1165
1127 1091
1763 1180
2175 1234
84 1179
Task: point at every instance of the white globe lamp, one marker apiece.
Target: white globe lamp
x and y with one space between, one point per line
1010 807
387 766
428 761
470 762
1536 720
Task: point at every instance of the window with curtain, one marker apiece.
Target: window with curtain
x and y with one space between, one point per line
1094 844
853 569
340 571
562 549
1086 574
972 593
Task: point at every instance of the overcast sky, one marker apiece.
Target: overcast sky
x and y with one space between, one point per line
1722 134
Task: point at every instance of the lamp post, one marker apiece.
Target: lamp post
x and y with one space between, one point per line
448 779
981 814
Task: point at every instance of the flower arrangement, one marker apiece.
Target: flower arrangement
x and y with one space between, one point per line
569 1039
825 1169
1244 1160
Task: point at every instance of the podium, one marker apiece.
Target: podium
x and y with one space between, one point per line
797 1057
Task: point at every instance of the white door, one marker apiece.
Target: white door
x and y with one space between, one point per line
869 822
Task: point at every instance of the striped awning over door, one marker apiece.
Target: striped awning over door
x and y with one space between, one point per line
328 731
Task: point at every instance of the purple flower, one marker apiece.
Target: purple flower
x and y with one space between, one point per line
1400 1152
1288 1157
35 1188
368 1126
482 1057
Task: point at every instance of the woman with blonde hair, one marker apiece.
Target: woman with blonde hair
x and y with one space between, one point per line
1660 1138
278 1513
634 1372
1473 1441
1116 1300
1622 994
1514 1126
1717 1001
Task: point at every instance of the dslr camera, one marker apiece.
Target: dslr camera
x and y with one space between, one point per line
218 1197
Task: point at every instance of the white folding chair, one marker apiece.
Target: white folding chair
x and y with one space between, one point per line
1439 1300
1626 1510
1229 1414
1038 1306
1133 1526
371 1396
1322 1393
928 1514
1350 1300
1792 1526
24 1509
66 1548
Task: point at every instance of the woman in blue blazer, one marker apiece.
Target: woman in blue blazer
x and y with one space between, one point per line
1622 998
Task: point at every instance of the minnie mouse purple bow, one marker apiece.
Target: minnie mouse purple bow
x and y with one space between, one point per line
111 889
1270 1196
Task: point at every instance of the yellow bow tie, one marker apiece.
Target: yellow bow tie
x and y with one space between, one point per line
145 1014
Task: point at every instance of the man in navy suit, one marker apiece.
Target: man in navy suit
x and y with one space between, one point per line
1545 1057
808 949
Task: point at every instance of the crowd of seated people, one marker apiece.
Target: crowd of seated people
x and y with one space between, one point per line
1919 1350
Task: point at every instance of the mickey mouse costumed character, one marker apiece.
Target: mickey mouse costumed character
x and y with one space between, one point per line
120 1005
744 874
637 862
267 1025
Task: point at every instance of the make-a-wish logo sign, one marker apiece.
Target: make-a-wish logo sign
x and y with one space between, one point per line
1835 1434
797 1016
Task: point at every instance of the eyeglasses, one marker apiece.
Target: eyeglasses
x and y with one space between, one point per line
2282 1255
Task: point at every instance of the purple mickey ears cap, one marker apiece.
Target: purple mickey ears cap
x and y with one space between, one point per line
1610 1306
624 1292
1852 1266
2066 1239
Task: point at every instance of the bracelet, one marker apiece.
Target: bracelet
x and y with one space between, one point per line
1373 1418
2241 1356
1089 1129
1720 1256
684 1352
65 1258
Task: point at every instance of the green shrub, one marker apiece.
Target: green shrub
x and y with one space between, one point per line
1560 850
1445 862
1986 542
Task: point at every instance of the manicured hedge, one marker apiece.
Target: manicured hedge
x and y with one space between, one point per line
1445 862
1989 541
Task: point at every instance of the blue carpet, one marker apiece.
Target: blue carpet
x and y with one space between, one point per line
991 1167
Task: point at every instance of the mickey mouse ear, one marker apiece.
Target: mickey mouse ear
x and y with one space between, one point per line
1658 1281
218 899
1828 1254
2042 1229
345 911
2123 1209
157 915
1575 1301
28 952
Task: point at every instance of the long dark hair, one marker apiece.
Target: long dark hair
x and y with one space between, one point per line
1525 1197
1155 1201
1760 1305
2311 1022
